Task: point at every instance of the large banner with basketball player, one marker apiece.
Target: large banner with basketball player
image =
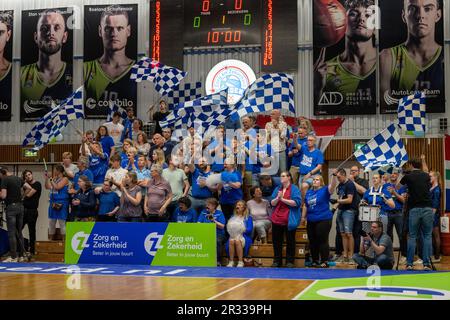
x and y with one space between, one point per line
46 72
110 51
411 53
6 40
345 57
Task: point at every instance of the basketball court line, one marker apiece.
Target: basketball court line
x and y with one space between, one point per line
230 289
304 290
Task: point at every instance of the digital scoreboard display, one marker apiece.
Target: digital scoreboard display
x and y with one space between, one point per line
222 22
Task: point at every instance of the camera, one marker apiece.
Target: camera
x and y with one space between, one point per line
333 201
210 216
362 233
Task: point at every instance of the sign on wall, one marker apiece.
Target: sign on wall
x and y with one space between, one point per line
46 73
110 51
155 244
6 45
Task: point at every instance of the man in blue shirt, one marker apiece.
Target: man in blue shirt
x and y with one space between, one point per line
98 163
295 153
108 202
200 191
310 164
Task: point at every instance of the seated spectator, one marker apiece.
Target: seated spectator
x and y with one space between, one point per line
58 209
178 183
159 196
108 202
115 174
106 140
142 145
230 188
98 163
212 215
130 163
83 202
167 134
115 129
130 201
159 158
184 212
69 167
240 228
259 209
83 170
375 249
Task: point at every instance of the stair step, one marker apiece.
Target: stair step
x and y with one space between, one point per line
301 236
49 257
49 247
266 251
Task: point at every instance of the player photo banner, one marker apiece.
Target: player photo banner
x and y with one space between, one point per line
6 39
46 72
345 57
411 53
110 51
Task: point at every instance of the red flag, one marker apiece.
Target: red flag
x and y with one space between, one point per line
325 130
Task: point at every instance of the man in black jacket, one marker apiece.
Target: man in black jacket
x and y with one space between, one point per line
31 203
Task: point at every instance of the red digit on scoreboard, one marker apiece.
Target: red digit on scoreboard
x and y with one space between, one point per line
237 36
205 5
215 37
228 36
237 4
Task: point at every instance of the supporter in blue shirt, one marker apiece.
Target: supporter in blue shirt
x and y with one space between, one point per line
105 140
131 162
184 212
128 123
211 215
98 163
82 164
200 191
142 172
217 150
108 202
435 179
310 164
295 153
83 202
319 216
230 188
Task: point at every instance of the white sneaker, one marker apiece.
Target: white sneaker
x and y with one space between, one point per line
23 259
230 264
240 264
434 260
417 262
9 259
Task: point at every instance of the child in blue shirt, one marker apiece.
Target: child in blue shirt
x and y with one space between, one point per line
184 212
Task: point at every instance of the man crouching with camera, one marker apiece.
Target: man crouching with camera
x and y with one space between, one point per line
376 248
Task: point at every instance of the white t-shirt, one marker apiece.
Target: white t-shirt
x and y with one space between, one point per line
117 175
115 131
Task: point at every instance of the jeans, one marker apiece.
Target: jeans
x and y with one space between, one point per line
30 218
382 261
227 210
318 233
14 220
278 232
345 220
395 218
420 218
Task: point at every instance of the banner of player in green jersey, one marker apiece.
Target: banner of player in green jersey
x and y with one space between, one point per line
411 52
46 72
110 50
345 57
6 39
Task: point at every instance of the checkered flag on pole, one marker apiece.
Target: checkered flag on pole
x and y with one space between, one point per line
412 114
385 149
183 93
269 92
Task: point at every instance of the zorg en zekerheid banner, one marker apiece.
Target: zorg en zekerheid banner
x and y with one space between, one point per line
411 53
6 40
110 51
155 244
46 73
345 57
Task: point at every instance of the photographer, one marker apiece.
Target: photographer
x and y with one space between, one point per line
375 249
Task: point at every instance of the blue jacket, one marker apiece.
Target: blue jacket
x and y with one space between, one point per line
294 212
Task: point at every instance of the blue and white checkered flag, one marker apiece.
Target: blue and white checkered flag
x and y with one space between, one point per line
164 77
385 149
269 92
184 92
113 108
412 113
51 124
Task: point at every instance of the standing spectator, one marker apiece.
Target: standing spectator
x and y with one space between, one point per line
212 215
11 192
286 201
159 196
267 185
305 123
98 163
240 228
420 211
178 181
86 140
376 248
319 216
128 123
115 129
167 134
108 202
142 144
130 201
200 191
136 129
310 164
347 210
377 195
159 158
58 209
106 140
31 196
70 168
230 188
277 130
142 173
184 212
160 115
83 202
160 143
435 178
131 162
127 143
216 150
259 210
299 144
83 170
115 174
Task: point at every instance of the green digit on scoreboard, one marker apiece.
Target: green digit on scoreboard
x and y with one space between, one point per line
247 19
197 22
